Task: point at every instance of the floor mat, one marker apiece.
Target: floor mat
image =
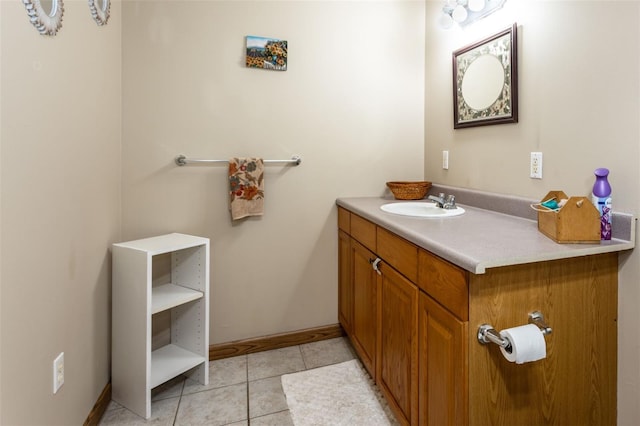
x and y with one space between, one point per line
339 394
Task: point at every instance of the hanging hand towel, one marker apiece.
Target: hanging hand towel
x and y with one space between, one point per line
246 187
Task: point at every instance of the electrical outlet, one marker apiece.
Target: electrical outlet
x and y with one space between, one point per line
58 372
445 160
535 167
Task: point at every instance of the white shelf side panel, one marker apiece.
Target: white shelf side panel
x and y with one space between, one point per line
168 296
130 341
170 361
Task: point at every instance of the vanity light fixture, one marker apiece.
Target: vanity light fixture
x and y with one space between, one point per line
465 12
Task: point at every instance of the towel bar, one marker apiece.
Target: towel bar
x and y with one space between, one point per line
181 160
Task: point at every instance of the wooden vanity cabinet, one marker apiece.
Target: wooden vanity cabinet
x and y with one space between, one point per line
443 336
576 384
345 287
443 373
365 305
414 325
358 286
398 327
398 336
384 303
414 348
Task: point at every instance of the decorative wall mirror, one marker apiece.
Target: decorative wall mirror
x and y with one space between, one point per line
485 81
100 10
45 15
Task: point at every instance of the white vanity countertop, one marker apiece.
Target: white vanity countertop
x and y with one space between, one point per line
482 238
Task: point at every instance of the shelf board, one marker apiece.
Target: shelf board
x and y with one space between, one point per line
165 243
168 296
170 361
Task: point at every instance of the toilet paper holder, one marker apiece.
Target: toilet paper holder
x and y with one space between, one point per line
488 334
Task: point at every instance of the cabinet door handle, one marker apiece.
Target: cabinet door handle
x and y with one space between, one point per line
375 263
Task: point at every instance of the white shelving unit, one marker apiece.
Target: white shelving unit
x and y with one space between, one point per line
135 367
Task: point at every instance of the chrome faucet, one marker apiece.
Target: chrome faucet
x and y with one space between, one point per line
446 202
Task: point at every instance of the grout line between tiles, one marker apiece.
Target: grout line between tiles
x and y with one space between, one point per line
247 382
175 416
302 356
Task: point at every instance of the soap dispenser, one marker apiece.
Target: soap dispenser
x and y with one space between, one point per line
601 198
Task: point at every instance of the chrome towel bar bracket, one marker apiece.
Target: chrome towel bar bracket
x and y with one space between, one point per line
488 334
537 318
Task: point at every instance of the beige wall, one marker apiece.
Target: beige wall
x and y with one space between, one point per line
351 103
60 185
354 102
579 104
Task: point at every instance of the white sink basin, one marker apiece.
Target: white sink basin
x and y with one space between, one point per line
420 209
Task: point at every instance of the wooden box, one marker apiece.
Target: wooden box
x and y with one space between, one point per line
578 221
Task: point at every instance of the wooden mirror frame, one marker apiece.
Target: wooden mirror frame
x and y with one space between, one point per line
504 108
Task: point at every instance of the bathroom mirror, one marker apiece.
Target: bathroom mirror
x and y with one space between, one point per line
47 6
485 81
45 15
100 10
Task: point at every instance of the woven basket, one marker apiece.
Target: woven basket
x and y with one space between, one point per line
409 190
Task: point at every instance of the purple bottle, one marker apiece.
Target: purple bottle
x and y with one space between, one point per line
601 198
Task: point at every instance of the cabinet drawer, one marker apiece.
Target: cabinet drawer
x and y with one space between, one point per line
445 282
344 220
363 231
399 253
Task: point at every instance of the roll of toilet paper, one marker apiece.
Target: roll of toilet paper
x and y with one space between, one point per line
527 344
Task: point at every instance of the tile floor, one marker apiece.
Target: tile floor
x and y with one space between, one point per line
243 390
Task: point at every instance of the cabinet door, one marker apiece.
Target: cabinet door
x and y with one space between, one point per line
345 284
443 387
398 356
365 305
